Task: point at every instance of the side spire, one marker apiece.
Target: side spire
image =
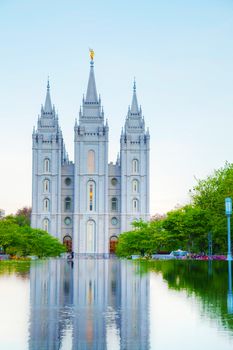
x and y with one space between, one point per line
48 104
91 95
134 105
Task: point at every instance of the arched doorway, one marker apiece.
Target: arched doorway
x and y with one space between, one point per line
112 244
67 241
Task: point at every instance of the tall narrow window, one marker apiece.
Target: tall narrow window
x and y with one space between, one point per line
91 162
135 185
46 165
46 225
90 237
46 204
135 205
114 204
46 185
135 167
67 204
91 195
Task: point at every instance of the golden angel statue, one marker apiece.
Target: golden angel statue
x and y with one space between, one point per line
92 54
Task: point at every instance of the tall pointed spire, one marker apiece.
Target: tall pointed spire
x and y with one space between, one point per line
134 105
91 95
48 105
91 106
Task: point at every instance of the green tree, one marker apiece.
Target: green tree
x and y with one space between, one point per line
209 195
23 216
186 229
24 240
145 238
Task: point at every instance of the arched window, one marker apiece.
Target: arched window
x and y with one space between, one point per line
46 204
135 205
91 162
90 237
46 225
46 165
67 204
114 204
91 195
46 185
135 166
135 186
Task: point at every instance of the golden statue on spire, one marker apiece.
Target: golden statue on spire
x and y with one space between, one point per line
92 54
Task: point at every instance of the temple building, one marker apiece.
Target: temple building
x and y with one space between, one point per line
89 202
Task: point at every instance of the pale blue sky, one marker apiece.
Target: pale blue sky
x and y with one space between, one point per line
181 53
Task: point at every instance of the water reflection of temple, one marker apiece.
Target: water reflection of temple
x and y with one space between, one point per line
89 304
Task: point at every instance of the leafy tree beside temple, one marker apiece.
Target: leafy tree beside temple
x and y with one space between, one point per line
186 227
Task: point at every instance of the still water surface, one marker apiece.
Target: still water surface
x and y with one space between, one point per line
113 304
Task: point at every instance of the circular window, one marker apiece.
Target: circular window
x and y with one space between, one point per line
114 181
67 181
67 221
114 221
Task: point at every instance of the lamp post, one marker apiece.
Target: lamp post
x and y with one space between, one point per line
210 245
228 210
229 293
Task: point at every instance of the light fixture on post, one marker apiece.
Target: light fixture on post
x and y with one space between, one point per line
228 211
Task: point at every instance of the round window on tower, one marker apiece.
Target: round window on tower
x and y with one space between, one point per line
114 221
67 221
114 181
67 181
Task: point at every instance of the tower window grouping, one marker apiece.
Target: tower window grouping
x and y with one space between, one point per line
91 236
114 181
46 185
135 205
114 221
91 162
91 195
46 204
135 166
46 225
67 204
67 221
114 204
135 185
68 181
46 165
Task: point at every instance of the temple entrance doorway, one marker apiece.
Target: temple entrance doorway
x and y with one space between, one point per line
112 244
67 241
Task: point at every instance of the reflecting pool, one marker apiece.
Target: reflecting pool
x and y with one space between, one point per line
113 304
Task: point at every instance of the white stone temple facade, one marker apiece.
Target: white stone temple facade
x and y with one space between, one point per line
89 202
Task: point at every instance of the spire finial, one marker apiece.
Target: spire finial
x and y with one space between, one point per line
134 84
48 84
92 54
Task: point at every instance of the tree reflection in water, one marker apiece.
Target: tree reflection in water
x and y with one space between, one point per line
210 281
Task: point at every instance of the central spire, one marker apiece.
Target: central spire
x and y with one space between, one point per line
134 105
91 95
48 104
